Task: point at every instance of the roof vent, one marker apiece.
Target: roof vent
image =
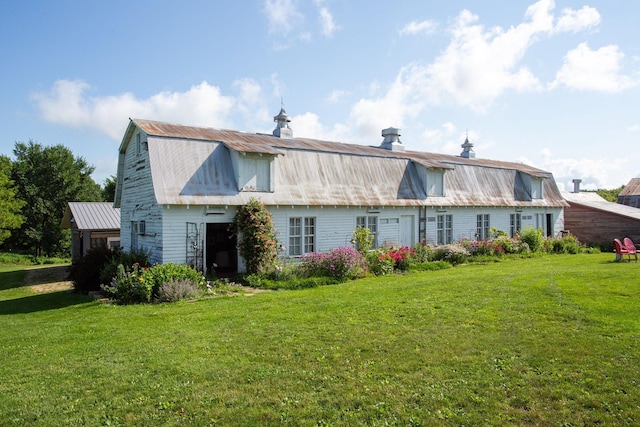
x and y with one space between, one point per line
576 185
392 139
282 129
467 150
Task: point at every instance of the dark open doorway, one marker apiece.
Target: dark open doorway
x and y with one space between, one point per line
222 255
549 225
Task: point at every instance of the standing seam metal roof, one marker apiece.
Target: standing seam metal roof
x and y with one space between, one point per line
92 216
314 172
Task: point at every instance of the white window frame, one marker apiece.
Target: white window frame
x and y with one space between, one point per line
483 224
370 222
515 223
302 235
444 229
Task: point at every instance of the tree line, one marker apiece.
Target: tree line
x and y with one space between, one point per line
35 188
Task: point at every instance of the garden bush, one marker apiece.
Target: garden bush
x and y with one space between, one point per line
363 239
402 257
177 290
341 263
479 248
423 252
85 272
256 235
532 237
135 256
379 262
140 284
129 286
453 253
512 246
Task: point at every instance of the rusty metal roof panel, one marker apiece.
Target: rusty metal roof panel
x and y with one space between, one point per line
632 188
469 185
264 143
206 176
192 165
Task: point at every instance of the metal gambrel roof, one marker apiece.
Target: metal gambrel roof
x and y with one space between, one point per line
92 216
193 166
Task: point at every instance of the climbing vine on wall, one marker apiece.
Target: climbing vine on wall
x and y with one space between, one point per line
256 236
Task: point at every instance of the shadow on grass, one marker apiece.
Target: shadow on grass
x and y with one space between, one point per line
42 302
33 276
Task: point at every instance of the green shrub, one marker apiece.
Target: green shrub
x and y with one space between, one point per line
423 252
478 248
140 284
532 237
568 244
363 239
129 286
340 263
256 234
15 259
402 257
164 273
135 256
85 272
379 262
177 290
454 254
512 246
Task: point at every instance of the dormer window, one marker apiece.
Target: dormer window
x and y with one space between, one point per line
536 188
435 182
255 174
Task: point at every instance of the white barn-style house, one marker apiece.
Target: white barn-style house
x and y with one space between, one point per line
178 188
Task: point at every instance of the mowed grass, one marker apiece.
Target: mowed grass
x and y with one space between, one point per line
551 340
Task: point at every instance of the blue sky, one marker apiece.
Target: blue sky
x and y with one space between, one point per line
551 84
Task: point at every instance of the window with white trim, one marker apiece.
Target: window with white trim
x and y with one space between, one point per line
515 223
445 229
482 226
370 222
302 235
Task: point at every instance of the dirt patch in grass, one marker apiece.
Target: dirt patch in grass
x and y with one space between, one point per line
44 279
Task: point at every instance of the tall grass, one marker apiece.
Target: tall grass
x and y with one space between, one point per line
542 341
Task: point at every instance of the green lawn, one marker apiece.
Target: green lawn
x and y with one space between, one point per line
550 340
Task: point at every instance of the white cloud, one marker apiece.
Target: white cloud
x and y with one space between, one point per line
597 70
282 15
422 27
327 24
336 96
577 20
250 103
477 66
69 103
598 173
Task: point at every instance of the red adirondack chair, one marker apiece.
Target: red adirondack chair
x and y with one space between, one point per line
630 247
621 251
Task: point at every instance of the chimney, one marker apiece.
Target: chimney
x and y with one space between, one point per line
391 139
467 150
282 129
576 185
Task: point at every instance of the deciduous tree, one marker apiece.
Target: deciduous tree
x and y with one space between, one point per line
10 207
47 178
